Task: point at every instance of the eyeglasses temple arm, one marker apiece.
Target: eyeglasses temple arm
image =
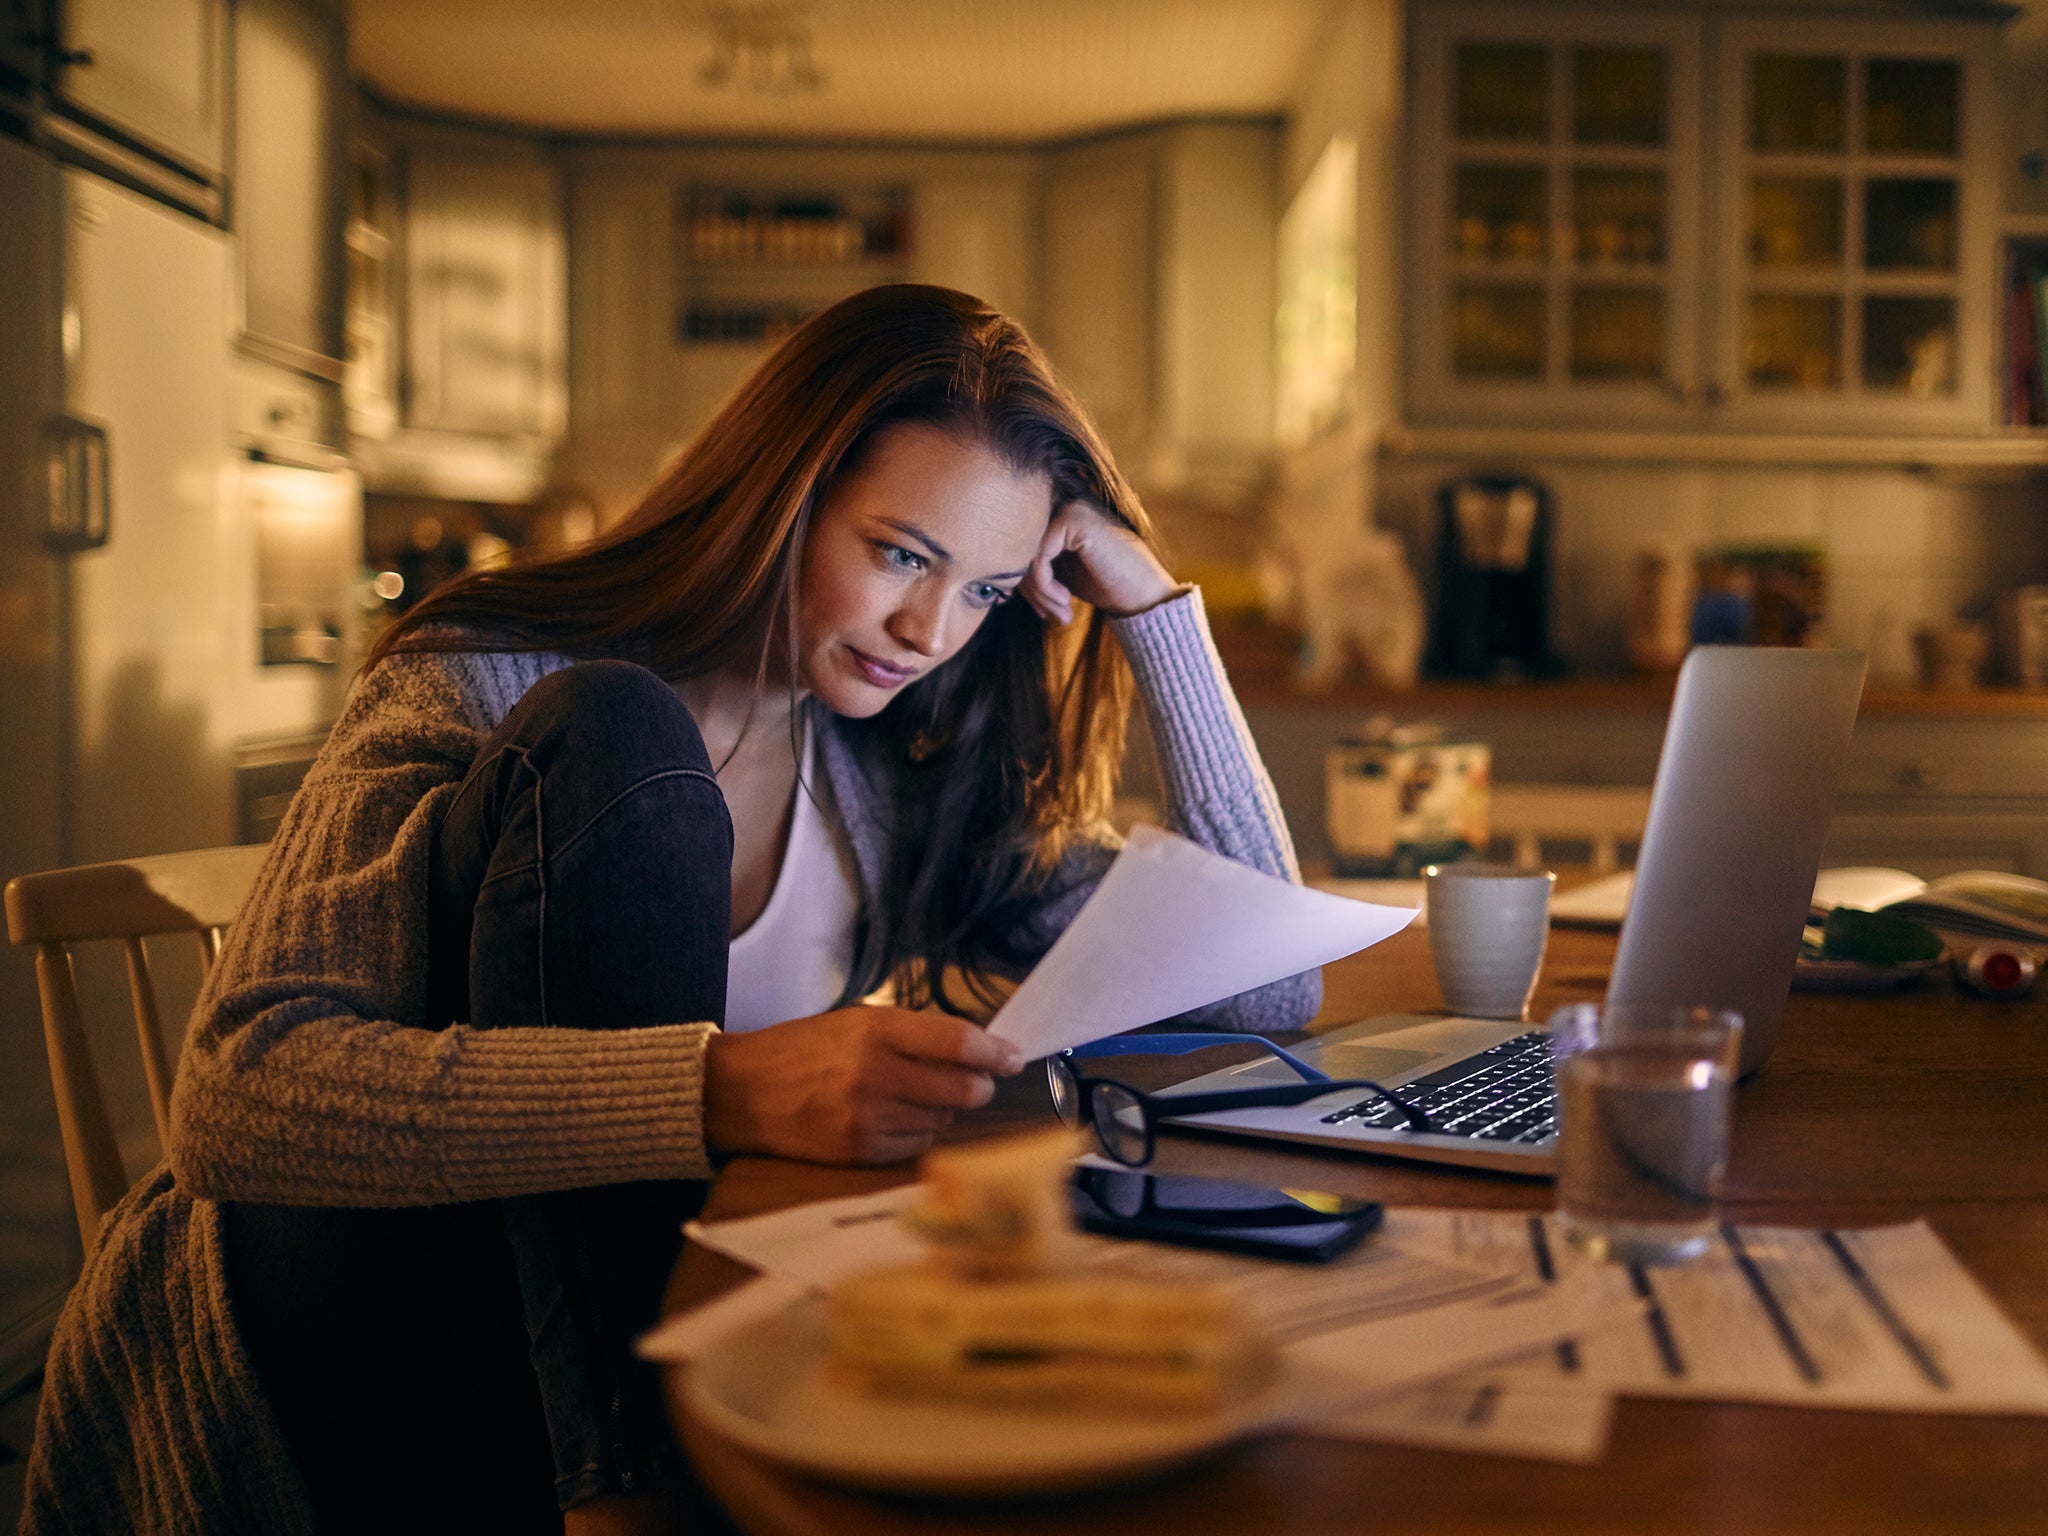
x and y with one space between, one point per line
1181 1045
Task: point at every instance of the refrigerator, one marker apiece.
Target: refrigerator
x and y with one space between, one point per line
170 606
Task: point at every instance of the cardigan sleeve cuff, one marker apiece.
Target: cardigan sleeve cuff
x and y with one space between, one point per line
563 1108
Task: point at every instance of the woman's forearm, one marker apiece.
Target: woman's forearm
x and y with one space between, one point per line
1217 790
337 1110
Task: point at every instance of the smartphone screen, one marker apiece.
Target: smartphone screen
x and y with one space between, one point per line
1305 1225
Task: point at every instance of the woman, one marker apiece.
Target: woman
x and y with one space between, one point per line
785 735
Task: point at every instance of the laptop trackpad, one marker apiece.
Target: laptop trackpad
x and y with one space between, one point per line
1376 1063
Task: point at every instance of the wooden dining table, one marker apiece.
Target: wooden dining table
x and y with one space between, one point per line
1874 1109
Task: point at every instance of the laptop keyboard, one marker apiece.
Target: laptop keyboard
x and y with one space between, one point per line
1505 1093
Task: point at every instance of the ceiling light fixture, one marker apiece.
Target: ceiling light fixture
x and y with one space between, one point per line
761 48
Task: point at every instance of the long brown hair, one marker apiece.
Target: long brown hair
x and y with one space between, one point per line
993 763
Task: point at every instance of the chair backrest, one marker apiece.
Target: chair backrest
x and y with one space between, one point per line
1602 816
128 900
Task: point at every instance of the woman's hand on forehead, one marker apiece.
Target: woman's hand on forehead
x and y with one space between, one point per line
1088 554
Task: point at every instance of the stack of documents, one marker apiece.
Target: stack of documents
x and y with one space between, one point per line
1483 1331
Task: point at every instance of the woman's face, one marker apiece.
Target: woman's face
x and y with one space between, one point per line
906 556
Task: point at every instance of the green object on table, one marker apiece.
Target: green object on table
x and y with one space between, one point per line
1877 938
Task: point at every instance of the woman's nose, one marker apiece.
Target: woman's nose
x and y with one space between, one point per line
920 624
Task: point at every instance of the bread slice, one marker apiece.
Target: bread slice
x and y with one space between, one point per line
1084 1342
997 1209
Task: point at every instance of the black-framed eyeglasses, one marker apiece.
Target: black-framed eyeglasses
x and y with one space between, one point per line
1125 1119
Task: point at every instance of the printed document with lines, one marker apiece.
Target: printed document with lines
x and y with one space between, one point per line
1171 927
1485 1331
1370 1332
1882 1317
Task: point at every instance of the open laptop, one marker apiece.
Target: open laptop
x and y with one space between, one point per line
1744 793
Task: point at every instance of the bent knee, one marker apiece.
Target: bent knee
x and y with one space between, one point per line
621 711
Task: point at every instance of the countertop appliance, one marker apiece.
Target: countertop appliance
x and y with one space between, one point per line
132 674
1492 610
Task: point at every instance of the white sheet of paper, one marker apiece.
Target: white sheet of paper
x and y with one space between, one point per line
1369 1337
1524 1408
1172 927
815 1245
1384 893
1882 1317
1383 1353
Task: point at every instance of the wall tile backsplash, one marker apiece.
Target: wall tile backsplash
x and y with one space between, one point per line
1903 548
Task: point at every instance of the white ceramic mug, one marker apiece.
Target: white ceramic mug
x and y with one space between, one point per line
1488 925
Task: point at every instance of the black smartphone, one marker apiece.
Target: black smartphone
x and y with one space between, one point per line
1304 1225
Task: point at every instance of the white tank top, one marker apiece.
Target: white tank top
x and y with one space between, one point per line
794 960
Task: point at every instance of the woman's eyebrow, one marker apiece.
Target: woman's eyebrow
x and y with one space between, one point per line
909 531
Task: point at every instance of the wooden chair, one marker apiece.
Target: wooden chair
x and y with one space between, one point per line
129 900
1601 816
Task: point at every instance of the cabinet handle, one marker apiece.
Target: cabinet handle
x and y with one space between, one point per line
78 512
54 50
1917 775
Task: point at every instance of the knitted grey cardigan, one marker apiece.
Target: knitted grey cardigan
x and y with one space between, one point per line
305 1077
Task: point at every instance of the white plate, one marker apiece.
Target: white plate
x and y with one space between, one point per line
762 1387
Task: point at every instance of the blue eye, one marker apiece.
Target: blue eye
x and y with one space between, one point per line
986 596
899 558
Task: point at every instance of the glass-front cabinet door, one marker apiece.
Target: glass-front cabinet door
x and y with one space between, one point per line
1856 227
1629 219
1556 251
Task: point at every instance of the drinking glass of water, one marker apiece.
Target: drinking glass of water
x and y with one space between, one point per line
1644 1098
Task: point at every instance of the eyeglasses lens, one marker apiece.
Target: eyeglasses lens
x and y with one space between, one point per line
1066 1093
1119 1119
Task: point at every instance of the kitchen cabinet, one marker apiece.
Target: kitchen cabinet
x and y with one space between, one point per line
291 83
973 232
1159 299
150 72
369 384
1101 322
135 90
484 342
1676 220
456 381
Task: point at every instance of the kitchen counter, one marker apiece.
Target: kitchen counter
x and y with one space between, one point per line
1934 781
1258 688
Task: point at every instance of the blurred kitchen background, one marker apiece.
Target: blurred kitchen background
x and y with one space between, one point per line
1476 359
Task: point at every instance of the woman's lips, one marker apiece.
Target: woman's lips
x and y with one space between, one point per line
879 672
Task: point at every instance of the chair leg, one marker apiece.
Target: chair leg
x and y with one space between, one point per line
91 1156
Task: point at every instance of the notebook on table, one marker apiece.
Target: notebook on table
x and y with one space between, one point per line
1744 792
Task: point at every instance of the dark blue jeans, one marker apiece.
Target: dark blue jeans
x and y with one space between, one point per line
479 1355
